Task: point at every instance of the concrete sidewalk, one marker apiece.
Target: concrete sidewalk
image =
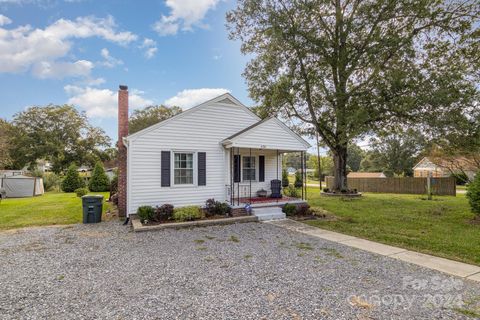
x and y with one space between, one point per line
455 268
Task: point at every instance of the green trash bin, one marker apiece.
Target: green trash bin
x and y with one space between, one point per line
92 209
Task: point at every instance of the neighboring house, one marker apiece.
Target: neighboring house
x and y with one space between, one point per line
84 168
291 170
444 168
219 149
11 173
366 175
42 165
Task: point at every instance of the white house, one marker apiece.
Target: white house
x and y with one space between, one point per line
218 149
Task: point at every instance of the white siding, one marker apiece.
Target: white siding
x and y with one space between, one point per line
269 135
201 130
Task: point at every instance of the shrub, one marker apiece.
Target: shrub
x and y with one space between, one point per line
326 190
72 180
99 181
81 192
289 209
303 209
187 213
473 195
213 207
298 180
51 181
114 185
285 181
291 191
146 213
164 212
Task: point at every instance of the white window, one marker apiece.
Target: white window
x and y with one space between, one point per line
183 168
248 168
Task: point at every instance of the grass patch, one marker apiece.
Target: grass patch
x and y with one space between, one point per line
233 239
51 208
303 246
442 227
201 248
210 237
199 241
467 312
247 256
333 252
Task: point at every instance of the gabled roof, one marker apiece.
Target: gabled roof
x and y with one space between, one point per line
366 175
225 99
243 135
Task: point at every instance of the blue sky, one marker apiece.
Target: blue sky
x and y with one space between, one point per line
78 52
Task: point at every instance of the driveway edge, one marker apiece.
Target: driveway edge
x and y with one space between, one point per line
459 269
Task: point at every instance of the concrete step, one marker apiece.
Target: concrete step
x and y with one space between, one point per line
269 213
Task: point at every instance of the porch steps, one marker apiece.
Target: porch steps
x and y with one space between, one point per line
268 213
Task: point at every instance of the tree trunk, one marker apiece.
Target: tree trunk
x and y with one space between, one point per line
340 170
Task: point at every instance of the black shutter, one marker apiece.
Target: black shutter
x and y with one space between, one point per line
261 168
236 168
202 169
165 168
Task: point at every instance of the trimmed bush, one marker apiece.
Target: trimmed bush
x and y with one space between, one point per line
473 195
164 212
285 181
298 180
187 213
81 192
213 207
99 181
289 209
72 180
303 209
146 213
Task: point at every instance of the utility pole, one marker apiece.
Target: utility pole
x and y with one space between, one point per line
319 163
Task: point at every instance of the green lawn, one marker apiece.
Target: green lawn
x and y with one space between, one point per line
48 209
441 227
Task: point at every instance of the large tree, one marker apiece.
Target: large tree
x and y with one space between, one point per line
60 134
5 131
395 153
349 67
143 118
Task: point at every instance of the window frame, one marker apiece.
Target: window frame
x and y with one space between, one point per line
255 168
194 169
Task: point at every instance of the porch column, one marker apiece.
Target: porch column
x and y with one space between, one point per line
301 161
250 180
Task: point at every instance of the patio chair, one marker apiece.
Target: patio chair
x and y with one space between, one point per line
276 187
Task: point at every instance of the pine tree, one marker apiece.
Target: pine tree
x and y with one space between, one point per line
99 181
72 180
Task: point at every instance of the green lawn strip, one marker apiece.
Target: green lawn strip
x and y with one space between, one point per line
440 227
52 208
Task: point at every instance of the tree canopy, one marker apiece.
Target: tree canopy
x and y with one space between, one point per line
60 134
143 118
5 131
350 67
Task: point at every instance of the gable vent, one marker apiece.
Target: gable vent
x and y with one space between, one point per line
226 101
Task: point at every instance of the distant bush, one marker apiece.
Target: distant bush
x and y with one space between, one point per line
72 180
51 181
473 195
187 213
289 209
99 181
81 192
146 213
326 190
164 212
213 207
285 181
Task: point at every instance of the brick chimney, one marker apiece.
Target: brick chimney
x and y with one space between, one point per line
122 150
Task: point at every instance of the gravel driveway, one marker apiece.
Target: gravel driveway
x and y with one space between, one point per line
244 271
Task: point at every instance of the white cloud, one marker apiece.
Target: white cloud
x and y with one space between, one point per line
150 47
184 14
24 48
56 69
102 103
191 97
110 61
4 20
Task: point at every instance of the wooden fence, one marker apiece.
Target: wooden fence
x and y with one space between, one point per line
440 186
